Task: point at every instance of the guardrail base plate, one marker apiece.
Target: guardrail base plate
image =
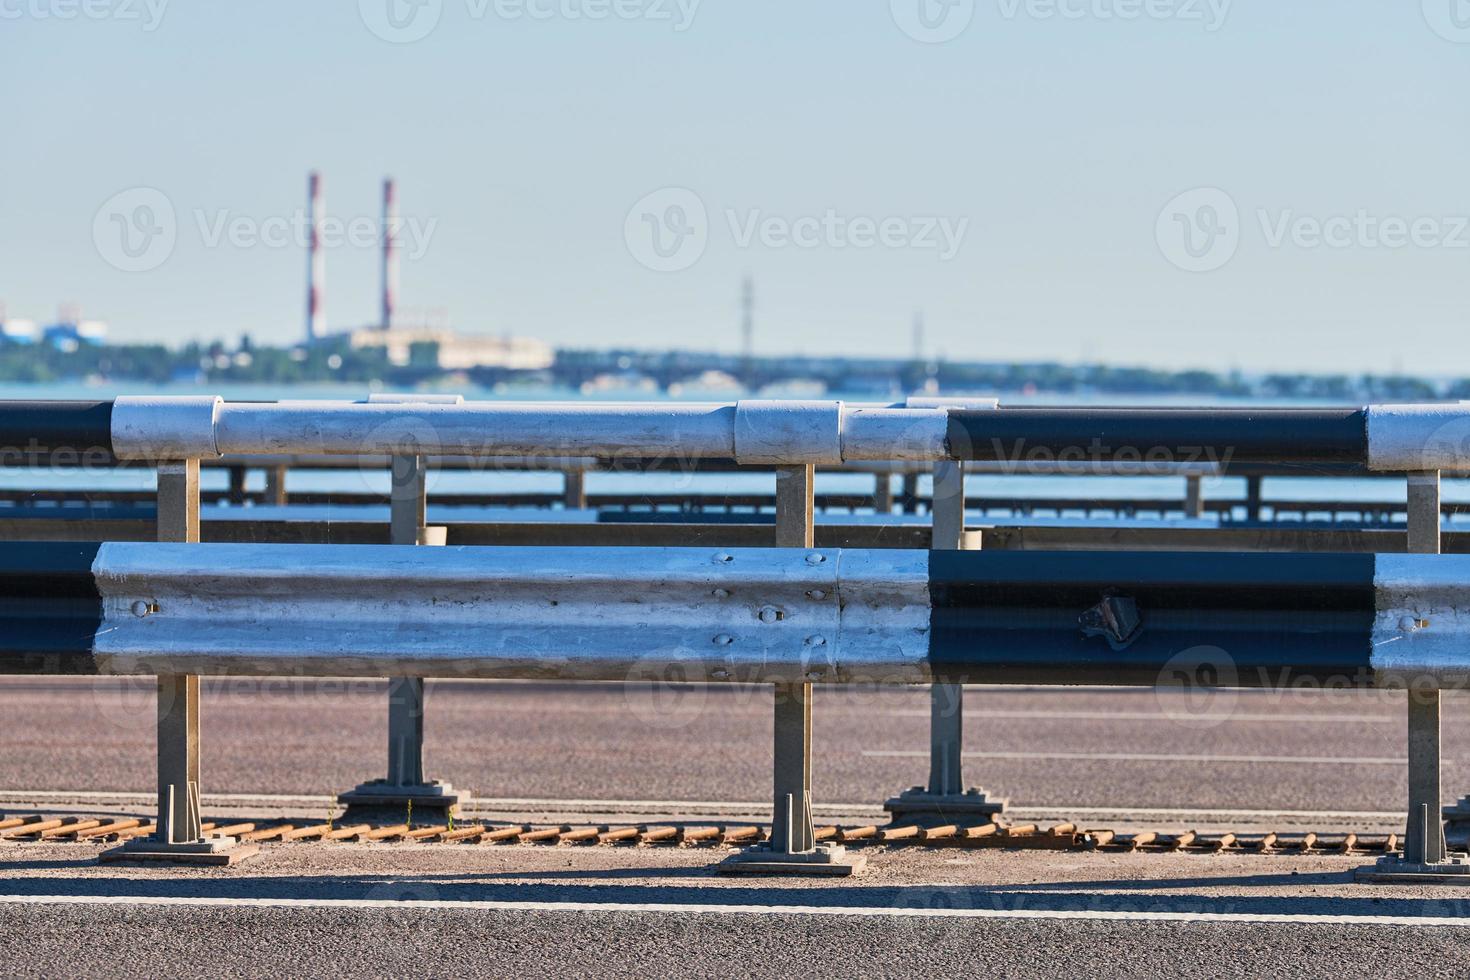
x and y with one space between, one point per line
214 851
828 860
1394 870
918 803
381 793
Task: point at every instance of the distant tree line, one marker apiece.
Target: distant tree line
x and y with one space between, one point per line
337 361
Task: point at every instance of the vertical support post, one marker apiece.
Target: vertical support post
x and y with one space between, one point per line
179 837
237 485
1253 498
574 489
947 701
909 493
178 694
275 484
405 731
1426 858
793 847
1194 496
792 830
405 783
409 502
945 795
883 493
1424 841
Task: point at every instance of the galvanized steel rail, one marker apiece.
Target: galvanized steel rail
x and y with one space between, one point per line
735 615
1387 438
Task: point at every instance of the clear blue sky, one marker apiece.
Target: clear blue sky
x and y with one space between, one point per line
1057 140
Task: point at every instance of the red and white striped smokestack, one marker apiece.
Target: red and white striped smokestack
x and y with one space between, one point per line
316 260
390 252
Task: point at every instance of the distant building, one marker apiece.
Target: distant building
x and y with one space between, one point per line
453 351
68 335
17 331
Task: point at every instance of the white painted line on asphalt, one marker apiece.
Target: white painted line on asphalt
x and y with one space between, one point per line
1183 716
1312 760
899 912
1202 813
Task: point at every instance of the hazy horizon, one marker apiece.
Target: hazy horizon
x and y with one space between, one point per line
1170 183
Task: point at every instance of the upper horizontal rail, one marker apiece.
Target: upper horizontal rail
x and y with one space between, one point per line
1391 438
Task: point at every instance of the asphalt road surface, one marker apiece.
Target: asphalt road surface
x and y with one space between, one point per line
308 909
438 910
1080 747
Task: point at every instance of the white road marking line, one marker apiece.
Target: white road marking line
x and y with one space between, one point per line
1205 812
1096 915
1313 760
1184 717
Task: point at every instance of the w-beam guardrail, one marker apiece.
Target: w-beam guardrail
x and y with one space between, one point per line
757 615
793 437
781 616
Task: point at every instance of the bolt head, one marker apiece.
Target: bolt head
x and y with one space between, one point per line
815 558
816 641
721 593
723 557
816 594
770 614
724 640
142 608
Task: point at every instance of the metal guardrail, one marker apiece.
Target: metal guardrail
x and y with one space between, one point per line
734 615
791 617
795 437
1388 438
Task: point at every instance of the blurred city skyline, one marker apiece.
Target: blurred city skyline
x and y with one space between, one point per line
1176 183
